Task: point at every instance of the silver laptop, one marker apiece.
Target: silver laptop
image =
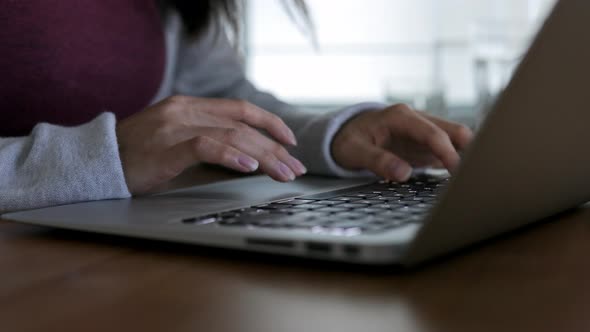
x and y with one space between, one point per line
530 160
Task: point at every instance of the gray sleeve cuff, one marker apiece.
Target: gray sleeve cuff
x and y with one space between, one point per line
316 138
60 165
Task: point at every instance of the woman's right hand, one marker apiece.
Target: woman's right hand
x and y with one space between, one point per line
160 142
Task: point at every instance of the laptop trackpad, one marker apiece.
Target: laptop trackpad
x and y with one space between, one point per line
259 189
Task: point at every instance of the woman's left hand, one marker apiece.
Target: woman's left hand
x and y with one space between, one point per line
392 141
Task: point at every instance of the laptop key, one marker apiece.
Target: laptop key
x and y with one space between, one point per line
232 222
352 205
335 209
345 199
382 199
393 214
393 194
369 210
256 212
277 206
229 214
388 206
297 201
362 196
407 202
349 215
308 206
429 199
288 211
372 201
328 203
310 215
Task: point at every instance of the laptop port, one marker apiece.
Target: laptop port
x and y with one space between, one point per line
351 250
319 248
270 243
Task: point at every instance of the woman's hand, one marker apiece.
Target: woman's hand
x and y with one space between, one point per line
392 141
159 143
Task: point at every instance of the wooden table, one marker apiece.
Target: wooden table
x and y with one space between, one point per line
55 280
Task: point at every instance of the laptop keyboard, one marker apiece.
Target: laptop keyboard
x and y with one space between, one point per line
366 209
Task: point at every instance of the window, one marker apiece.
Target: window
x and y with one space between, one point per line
444 55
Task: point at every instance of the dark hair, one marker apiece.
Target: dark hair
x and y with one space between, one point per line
198 14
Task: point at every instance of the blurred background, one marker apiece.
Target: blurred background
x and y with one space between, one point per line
450 57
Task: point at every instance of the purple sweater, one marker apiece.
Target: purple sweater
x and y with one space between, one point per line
73 62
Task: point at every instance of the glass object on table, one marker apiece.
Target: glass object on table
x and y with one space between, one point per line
497 48
418 92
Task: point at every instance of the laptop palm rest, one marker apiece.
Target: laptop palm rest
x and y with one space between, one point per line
169 206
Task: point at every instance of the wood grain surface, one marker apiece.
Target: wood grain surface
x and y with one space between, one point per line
537 279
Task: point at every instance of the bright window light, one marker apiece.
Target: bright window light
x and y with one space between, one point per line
436 54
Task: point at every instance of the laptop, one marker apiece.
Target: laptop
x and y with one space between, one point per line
529 160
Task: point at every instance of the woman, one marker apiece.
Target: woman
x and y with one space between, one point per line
106 99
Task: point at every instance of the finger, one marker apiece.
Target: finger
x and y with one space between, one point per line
460 134
274 159
381 162
423 160
187 129
436 164
208 150
409 123
239 110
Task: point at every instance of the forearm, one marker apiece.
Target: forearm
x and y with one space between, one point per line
58 165
209 67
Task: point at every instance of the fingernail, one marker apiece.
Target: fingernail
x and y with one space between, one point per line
248 163
401 172
299 167
291 137
286 171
